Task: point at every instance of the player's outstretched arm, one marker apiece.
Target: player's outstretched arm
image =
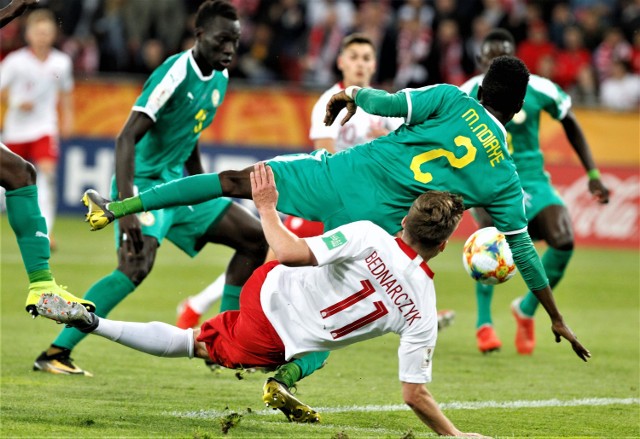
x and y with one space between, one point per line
426 408
14 9
288 248
575 135
528 262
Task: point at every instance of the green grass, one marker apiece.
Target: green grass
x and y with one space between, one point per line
135 395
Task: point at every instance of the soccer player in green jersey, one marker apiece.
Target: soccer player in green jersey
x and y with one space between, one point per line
547 214
159 140
18 177
449 142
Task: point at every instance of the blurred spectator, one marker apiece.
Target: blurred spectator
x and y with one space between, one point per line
445 60
590 22
635 53
536 47
571 59
480 29
375 21
414 42
110 33
330 20
163 20
613 47
287 21
621 90
561 19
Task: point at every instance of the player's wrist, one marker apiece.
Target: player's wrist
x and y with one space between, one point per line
351 91
593 174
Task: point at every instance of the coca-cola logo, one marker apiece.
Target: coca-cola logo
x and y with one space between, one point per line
617 220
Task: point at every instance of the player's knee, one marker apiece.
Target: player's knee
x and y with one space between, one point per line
561 241
136 269
19 173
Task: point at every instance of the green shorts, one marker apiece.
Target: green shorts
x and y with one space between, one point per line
306 190
182 225
539 194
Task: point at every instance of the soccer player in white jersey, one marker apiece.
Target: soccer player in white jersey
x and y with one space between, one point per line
353 283
18 177
357 64
35 77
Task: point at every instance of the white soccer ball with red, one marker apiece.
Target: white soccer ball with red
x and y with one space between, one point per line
487 257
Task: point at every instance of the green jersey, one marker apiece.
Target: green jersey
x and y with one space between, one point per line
182 102
449 142
523 130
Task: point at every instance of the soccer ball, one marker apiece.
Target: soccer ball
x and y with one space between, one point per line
487 257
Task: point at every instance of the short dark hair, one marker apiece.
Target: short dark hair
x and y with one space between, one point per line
505 84
433 217
356 38
500 34
211 9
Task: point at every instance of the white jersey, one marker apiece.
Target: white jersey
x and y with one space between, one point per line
355 132
367 283
36 82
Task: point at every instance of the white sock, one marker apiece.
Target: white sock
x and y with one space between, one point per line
47 197
155 338
203 301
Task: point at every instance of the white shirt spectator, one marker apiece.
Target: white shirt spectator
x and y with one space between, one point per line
37 82
621 94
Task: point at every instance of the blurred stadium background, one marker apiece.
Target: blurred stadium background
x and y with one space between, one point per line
287 57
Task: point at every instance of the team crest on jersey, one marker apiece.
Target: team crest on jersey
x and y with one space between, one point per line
519 117
147 219
215 98
426 359
335 240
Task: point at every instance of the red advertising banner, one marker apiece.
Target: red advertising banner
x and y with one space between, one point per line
616 224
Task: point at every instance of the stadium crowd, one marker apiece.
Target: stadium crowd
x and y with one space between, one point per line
591 48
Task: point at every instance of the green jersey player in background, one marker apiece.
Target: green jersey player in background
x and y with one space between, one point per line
450 142
158 141
547 214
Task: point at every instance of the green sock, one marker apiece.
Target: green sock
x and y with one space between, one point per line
30 229
230 298
126 206
106 294
484 294
310 363
182 192
288 374
555 263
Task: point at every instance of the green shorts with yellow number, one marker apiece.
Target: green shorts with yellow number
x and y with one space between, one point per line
539 194
182 225
306 189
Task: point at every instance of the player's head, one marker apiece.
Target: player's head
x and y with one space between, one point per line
431 220
357 60
41 30
504 87
497 43
217 33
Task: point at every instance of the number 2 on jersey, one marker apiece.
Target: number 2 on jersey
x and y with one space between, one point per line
366 291
421 159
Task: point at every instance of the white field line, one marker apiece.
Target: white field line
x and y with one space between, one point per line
454 405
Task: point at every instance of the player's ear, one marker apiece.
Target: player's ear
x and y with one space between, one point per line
340 62
404 221
442 246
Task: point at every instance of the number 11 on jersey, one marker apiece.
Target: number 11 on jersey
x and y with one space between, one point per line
367 290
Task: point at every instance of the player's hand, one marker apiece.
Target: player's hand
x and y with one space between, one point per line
599 191
263 187
561 330
335 105
130 234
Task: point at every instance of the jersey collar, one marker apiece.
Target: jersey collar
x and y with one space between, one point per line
195 67
413 254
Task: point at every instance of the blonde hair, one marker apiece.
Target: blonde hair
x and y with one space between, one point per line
40 15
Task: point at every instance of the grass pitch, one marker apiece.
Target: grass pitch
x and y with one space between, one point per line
551 393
